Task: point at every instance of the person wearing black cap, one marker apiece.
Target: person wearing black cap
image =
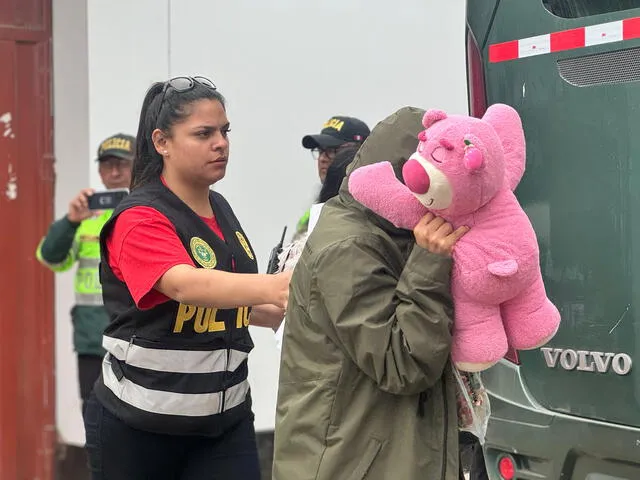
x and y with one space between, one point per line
75 238
337 133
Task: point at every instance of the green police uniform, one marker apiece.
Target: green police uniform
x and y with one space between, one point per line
65 244
302 226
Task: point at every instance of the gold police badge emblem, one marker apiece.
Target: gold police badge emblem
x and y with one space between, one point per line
203 253
245 245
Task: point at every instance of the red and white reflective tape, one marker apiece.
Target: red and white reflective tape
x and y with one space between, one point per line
566 40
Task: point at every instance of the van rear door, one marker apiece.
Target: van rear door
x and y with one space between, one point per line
578 92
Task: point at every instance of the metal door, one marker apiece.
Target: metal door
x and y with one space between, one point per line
27 424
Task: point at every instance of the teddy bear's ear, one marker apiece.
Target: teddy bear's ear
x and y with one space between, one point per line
507 124
432 116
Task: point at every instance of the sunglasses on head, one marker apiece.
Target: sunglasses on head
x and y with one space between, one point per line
184 84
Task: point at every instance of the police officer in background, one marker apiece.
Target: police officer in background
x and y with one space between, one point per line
75 238
338 133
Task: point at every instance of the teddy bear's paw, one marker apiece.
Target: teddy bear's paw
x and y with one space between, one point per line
539 342
479 353
474 367
528 331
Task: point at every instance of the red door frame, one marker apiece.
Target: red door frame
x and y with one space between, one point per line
27 382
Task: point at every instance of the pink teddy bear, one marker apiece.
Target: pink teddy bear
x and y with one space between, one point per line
465 170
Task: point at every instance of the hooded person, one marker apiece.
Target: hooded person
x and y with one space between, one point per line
366 385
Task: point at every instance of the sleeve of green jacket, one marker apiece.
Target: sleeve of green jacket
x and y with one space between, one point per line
396 329
57 250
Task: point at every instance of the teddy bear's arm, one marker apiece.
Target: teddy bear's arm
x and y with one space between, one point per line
377 188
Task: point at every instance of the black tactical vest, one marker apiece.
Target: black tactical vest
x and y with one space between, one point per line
178 369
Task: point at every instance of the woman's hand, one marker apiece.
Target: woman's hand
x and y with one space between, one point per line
436 235
280 285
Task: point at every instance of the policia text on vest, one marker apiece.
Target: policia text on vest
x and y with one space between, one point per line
203 320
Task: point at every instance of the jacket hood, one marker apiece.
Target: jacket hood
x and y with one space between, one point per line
394 140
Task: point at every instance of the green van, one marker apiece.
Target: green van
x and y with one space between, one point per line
570 410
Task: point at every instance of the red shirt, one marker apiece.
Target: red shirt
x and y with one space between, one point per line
142 246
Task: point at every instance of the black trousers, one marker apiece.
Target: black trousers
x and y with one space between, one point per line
89 367
119 452
478 470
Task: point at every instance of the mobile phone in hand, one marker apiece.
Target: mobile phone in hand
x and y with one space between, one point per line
107 199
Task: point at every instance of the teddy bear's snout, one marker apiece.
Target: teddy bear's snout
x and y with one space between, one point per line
415 177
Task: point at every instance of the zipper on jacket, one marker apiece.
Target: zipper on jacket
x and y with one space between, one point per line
224 380
226 366
226 370
133 337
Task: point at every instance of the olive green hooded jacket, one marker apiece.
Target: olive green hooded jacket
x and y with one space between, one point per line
366 387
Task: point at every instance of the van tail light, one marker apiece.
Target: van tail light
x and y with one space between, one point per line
512 356
475 78
506 468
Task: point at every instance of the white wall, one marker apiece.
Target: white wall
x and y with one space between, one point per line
71 143
128 50
285 67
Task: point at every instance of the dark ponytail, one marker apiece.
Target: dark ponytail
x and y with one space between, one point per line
162 114
148 162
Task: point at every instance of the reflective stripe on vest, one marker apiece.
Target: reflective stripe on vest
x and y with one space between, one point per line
175 361
171 403
85 262
89 299
62 266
